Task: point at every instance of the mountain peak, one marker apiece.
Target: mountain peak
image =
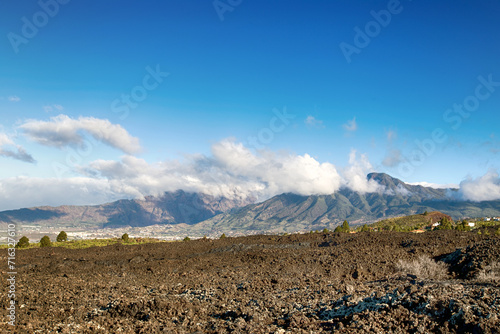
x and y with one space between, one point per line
399 187
385 180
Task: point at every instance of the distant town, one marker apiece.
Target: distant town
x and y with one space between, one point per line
165 232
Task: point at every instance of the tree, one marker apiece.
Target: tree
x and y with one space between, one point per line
23 242
426 213
223 236
463 226
365 228
187 238
344 228
325 231
397 228
125 237
62 237
45 242
444 224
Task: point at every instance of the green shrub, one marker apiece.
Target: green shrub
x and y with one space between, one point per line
444 224
223 236
463 226
187 239
24 242
325 231
365 228
498 231
45 242
397 228
62 237
344 228
125 238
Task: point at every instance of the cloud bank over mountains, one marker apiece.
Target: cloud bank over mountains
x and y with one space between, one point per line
231 170
484 188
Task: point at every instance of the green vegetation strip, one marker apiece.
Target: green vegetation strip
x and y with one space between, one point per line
87 243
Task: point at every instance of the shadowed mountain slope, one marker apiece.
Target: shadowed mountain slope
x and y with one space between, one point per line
282 213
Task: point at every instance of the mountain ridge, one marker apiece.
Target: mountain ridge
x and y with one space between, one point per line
286 212
178 207
291 212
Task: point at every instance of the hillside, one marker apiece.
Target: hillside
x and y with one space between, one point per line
410 223
199 214
290 212
177 207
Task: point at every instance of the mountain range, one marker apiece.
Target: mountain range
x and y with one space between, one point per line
200 213
290 212
177 207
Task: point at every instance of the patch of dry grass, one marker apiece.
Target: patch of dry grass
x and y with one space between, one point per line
490 272
423 267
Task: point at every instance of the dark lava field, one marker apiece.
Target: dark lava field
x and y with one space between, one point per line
384 282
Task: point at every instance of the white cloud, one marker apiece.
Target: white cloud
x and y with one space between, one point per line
5 140
63 131
402 190
484 188
24 192
351 125
232 171
14 98
10 150
311 121
355 175
435 185
391 135
53 107
392 158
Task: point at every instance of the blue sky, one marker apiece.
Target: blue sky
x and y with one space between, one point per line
232 67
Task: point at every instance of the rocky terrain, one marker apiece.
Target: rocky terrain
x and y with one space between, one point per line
382 282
